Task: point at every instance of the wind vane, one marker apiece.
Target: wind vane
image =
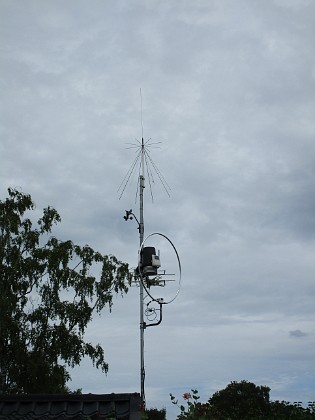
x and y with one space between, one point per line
149 274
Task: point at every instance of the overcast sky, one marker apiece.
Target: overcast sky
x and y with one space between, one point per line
228 88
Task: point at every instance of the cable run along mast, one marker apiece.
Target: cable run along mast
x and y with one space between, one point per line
147 274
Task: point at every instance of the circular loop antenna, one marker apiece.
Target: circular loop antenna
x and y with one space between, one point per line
164 302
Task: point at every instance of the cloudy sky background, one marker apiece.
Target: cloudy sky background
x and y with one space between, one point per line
228 87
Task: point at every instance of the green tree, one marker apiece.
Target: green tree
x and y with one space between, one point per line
155 414
48 295
284 410
241 400
247 401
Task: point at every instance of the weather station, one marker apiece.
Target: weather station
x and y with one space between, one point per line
158 271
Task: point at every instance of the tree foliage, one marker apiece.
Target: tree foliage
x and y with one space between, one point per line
241 401
48 296
154 414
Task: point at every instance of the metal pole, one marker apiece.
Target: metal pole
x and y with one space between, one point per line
142 324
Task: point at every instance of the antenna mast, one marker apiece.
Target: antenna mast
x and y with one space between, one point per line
147 272
141 234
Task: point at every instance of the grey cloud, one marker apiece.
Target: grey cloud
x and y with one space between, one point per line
297 333
227 87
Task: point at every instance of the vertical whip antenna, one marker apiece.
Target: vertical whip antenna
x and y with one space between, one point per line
144 162
141 115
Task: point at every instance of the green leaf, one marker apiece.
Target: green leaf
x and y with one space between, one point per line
48 297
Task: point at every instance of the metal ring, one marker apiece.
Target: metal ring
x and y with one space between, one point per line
179 266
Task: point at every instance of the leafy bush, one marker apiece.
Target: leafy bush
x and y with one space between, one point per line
154 414
194 409
241 401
